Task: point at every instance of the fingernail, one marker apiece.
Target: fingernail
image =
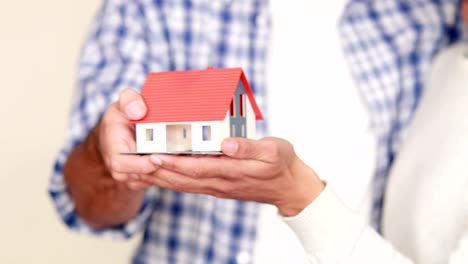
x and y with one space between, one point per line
156 160
230 146
135 110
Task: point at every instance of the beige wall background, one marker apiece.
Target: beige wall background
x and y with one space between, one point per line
39 45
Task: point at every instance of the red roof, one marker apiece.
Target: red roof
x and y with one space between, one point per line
194 95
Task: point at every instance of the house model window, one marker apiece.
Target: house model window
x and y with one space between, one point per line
206 133
149 134
232 110
241 105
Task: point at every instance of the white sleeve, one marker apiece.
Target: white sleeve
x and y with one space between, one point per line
460 254
331 233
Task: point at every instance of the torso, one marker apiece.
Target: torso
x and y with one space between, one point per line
427 200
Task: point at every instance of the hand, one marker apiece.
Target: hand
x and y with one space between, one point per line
115 134
265 170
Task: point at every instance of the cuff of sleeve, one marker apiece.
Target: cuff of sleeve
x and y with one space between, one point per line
326 227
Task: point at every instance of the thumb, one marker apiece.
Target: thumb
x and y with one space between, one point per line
131 104
242 148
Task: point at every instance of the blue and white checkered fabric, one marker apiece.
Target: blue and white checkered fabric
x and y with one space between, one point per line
130 38
390 45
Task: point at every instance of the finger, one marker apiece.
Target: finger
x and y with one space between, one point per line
200 167
138 185
132 105
247 149
117 138
130 164
123 177
180 183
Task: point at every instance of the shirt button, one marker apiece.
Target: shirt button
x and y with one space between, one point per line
243 258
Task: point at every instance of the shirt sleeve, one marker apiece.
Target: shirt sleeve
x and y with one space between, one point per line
113 57
332 233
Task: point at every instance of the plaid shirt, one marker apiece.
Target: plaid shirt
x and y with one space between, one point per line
129 39
390 45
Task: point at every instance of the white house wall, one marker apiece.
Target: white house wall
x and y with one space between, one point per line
251 122
159 137
219 131
225 127
216 136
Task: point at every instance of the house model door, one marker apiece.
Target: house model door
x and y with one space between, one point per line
179 137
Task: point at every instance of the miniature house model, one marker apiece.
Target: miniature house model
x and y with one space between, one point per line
193 111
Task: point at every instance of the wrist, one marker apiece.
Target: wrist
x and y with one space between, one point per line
307 186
